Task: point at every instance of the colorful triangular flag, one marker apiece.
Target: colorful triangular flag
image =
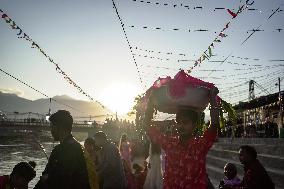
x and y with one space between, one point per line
210 51
232 13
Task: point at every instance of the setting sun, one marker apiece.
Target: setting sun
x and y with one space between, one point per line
119 97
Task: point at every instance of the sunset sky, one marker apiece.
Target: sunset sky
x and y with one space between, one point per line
86 39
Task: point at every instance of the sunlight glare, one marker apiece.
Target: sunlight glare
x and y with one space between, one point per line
119 97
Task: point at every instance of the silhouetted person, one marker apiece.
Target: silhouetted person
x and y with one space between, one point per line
66 167
89 146
20 177
255 175
231 179
110 168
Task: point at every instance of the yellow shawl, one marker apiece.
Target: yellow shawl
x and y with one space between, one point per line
92 174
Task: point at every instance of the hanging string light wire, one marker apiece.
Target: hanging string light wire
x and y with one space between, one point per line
248 37
128 43
58 102
34 45
208 52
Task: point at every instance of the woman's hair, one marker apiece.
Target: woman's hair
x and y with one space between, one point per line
90 141
100 135
25 170
123 138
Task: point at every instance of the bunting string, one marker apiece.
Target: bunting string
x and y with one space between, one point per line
186 6
253 32
257 29
175 69
279 71
158 52
242 74
262 76
180 5
150 53
208 52
128 43
251 70
152 57
234 77
199 30
21 34
10 75
235 80
242 64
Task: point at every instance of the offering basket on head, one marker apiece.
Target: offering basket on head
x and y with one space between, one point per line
168 95
182 92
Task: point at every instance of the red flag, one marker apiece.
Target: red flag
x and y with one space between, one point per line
232 13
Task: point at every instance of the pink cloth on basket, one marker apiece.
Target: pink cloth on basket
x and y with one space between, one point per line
176 87
179 83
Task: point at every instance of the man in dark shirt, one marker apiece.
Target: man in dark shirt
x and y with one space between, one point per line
255 176
66 167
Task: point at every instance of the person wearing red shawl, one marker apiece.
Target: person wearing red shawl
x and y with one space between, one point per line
136 180
186 154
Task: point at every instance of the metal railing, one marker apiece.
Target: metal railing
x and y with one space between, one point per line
39 123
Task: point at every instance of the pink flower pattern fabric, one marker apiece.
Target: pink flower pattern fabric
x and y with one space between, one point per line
179 83
177 87
125 151
185 164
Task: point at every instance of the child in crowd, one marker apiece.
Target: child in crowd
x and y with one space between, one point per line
231 179
136 180
20 177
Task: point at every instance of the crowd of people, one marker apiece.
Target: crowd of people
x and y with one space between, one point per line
114 128
266 129
170 162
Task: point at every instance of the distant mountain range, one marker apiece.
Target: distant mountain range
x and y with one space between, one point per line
13 103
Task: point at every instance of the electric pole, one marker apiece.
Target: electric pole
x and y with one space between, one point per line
251 97
251 90
280 104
